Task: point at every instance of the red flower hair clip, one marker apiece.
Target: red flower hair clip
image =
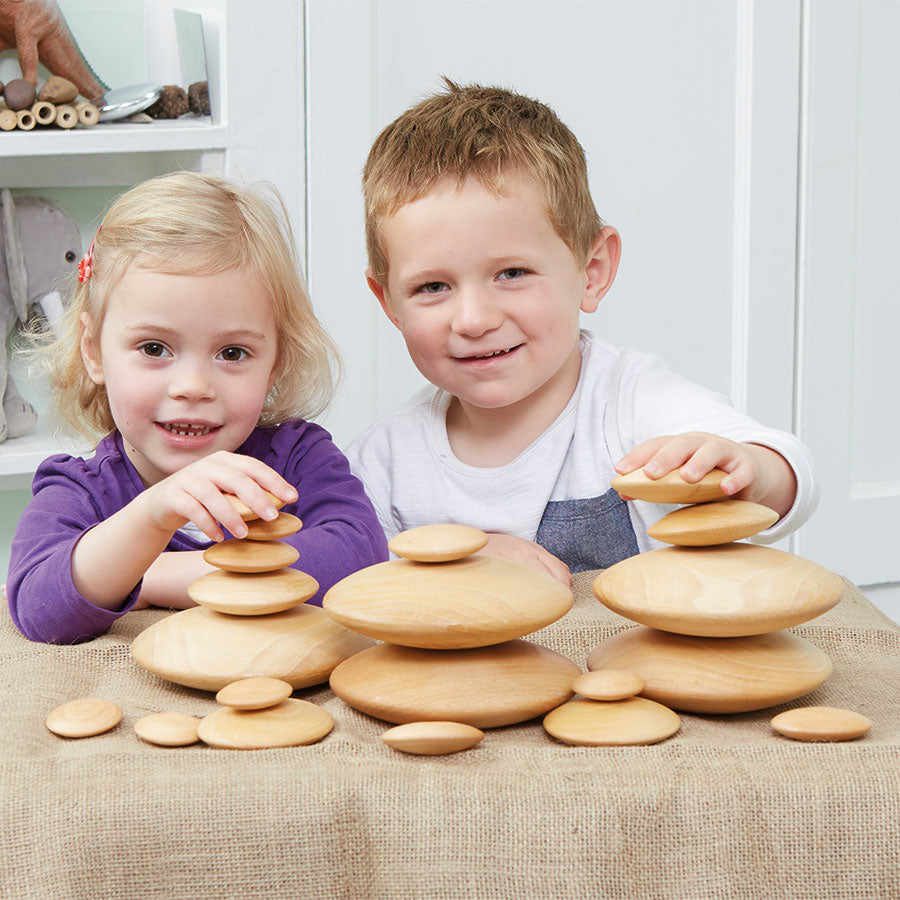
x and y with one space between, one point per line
86 266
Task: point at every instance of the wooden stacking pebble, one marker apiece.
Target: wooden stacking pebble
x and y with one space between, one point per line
438 543
289 724
485 687
253 594
245 512
716 675
706 524
727 591
821 723
282 527
168 729
254 693
251 556
432 738
608 684
670 488
470 602
83 718
204 649
634 721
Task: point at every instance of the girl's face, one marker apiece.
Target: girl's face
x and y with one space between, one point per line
186 361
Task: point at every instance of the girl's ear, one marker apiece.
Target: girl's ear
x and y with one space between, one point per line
90 349
377 288
600 268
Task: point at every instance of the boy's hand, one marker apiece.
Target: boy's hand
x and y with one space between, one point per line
506 546
196 494
755 473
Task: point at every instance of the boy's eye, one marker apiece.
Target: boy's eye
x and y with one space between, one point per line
433 287
233 354
154 349
509 274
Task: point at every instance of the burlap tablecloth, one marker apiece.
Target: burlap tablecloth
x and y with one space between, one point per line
725 808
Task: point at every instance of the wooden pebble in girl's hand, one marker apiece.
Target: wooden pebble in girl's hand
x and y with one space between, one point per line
432 738
257 692
670 488
821 723
608 684
438 543
84 718
282 527
245 512
168 729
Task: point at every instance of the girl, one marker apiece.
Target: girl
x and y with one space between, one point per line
192 345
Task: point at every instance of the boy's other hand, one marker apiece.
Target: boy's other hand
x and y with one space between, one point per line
506 546
755 473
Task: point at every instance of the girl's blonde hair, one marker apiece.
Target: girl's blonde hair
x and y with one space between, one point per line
488 133
188 223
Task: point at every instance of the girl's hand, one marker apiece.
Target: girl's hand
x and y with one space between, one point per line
755 473
517 549
196 494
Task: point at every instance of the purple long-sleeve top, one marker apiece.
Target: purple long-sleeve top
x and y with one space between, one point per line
340 533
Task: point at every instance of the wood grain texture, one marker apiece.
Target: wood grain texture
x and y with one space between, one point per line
707 524
251 556
438 543
621 723
289 724
432 738
727 591
283 526
608 684
821 723
84 717
168 729
245 594
471 602
716 675
671 488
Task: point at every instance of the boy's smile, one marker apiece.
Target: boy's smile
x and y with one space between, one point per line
487 296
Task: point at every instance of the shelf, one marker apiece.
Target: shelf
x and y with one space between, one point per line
22 455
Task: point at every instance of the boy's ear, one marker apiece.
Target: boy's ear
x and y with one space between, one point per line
90 349
377 288
600 267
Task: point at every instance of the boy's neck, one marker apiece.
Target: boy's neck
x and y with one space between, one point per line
488 438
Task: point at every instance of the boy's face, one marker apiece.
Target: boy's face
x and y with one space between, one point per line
487 295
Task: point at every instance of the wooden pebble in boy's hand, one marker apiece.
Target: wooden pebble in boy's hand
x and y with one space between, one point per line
83 718
670 488
821 723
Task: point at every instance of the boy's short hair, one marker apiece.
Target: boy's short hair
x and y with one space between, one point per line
189 223
485 132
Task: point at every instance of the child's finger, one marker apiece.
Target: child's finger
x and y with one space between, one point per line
640 455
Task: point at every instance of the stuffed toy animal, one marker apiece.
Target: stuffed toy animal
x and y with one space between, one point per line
41 246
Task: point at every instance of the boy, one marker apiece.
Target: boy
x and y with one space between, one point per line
484 246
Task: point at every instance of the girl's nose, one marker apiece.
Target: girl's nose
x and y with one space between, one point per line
191 382
474 313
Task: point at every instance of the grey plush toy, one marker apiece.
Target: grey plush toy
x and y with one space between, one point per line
41 245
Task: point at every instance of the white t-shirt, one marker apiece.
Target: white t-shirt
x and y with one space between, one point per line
556 491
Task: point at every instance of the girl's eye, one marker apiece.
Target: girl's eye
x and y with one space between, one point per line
154 349
433 287
233 354
511 274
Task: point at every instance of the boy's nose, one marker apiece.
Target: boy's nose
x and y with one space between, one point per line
474 314
191 382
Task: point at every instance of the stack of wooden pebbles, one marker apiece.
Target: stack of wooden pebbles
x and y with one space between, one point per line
251 618
713 612
56 104
451 621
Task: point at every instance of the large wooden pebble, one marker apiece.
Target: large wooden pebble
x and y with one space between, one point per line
289 724
670 488
727 591
485 687
608 684
438 543
716 675
432 738
245 512
634 721
251 556
254 693
282 527
83 718
821 723
469 602
168 729
706 524
203 649
241 594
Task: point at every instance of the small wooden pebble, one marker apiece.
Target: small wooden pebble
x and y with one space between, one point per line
821 723
635 721
608 684
243 594
289 724
258 692
168 729
84 718
245 512
438 543
708 524
282 527
251 556
432 738
670 488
